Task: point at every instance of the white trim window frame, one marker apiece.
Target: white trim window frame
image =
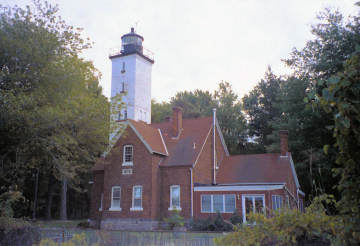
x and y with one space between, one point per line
172 191
115 196
277 202
253 204
136 197
128 155
223 199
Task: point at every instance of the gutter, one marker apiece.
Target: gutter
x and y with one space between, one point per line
192 192
214 146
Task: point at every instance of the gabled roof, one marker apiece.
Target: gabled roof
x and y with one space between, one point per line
259 168
150 136
181 150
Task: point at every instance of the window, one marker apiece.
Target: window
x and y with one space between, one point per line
287 201
225 203
127 171
277 202
230 203
206 203
101 202
175 197
253 204
128 155
115 198
301 205
137 198
122 115
123 68
218 203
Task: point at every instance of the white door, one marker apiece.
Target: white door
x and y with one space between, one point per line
252 204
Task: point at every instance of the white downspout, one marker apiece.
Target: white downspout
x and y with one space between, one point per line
214 146
192 192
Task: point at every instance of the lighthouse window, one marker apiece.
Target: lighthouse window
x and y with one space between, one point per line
123 68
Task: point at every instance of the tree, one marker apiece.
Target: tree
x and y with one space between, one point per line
259 106
159 111
341 98
231 118
53 116
201 104
195 104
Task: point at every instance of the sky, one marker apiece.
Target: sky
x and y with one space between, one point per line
198 43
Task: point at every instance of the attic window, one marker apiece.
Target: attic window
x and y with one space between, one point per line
128 155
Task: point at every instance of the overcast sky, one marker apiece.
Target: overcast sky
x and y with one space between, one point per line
198 43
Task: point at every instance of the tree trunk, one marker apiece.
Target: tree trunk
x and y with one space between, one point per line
36 194
49 201
63 212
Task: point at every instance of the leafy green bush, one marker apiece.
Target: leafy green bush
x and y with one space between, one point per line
288 227
84 224
211 224
175 219
14 232
236 218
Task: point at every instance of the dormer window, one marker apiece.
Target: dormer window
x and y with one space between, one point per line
128 155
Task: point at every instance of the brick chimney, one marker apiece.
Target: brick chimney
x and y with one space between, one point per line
283 142
177 121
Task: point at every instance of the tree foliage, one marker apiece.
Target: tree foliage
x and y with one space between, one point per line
200 103
289 227
341 98
53 116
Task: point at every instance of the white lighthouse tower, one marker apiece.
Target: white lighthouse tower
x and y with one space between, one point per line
131 76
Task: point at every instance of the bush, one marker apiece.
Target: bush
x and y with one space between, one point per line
288 227
17 232
211 224
175 219
236 218
84 224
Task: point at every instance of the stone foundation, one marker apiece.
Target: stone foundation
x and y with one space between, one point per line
129 224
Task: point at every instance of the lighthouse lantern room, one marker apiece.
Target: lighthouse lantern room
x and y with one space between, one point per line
131 77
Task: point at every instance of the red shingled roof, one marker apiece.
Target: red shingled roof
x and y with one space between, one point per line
181 150
259 168
151 136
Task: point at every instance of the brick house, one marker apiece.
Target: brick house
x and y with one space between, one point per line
180 164
184 164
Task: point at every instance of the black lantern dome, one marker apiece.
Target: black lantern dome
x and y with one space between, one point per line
131 43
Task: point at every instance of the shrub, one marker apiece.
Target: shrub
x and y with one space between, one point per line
16 232
236 218
202 224
288 227
211 224
175 219
221 225
84 224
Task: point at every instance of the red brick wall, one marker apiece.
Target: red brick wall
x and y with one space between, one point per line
96 190
143 168
238 195
203 170
220 151
175 176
